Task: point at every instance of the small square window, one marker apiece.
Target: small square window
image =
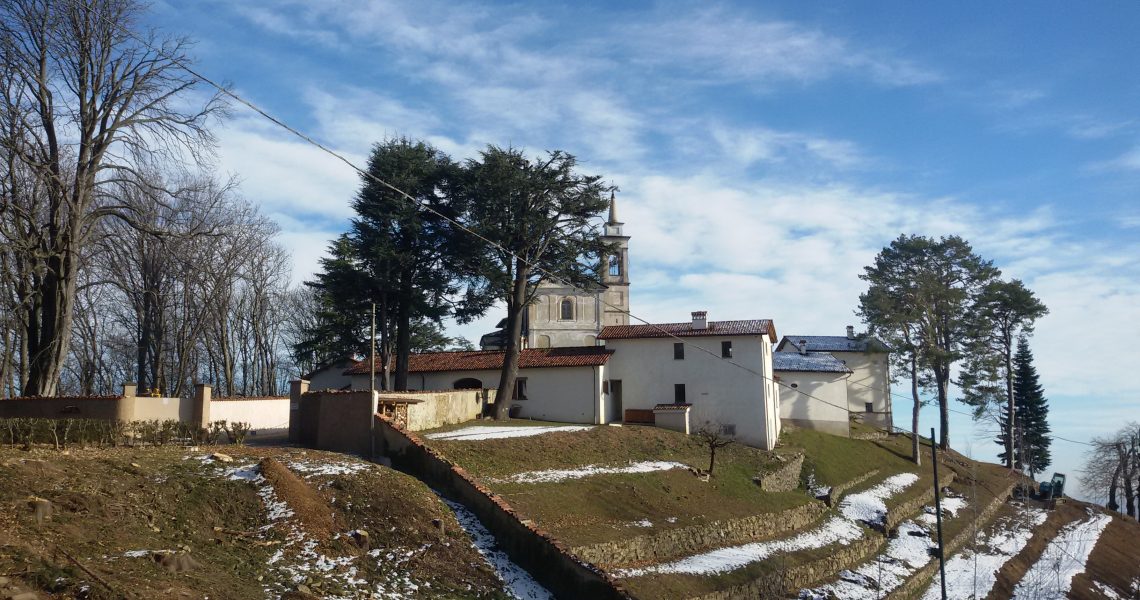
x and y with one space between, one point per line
679 351
678 393
520 388
726 349
729 430
869 407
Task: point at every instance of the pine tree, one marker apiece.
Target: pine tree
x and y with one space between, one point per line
1032 441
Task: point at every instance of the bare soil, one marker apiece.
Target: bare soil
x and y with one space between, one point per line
108 502
1115 562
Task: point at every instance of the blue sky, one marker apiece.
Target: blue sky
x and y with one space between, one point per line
764 153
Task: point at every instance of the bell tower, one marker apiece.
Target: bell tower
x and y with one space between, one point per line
615 271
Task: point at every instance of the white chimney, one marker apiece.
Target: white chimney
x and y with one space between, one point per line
803 347
850 332
700 319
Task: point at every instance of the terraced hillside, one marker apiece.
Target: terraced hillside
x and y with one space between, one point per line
856 522
170 523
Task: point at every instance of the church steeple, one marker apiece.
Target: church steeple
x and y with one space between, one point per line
615 271
613 225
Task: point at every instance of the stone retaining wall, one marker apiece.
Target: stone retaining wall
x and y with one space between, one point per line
786 478
686 541
922 578
783 582
836 494
548 560
909 508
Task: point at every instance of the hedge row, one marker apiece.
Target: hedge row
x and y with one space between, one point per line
60 433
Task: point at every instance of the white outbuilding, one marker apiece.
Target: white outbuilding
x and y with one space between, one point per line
723 369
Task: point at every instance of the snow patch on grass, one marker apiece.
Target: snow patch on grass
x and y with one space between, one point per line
815 488
519 584
142 553
309 468
905 554
869 506
950 507
553 475
837 530
866 506
1064 558
973 574
485 432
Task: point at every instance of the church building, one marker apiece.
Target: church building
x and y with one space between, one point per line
562 316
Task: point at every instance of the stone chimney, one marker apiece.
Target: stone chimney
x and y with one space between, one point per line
700 319
803 347
129 389
850 332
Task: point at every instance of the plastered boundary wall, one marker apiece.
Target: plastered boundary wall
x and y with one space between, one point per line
550 562
107 408
261 413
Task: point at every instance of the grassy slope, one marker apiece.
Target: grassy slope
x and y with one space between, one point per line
601 508
105 506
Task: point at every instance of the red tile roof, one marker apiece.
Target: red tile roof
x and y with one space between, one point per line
715 328
478 360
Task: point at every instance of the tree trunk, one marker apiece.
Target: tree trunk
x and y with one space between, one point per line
1011 461
712 458
403 332
943 407
1127 476
1113 503
515 309
54 326
915 446
385 349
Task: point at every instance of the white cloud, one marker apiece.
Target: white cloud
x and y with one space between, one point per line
716 46
282 173
1088 127
760 144
1128 161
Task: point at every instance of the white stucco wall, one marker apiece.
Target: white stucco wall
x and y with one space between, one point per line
260 413
332 378
869 382
719 391
162 409
825 410
566 394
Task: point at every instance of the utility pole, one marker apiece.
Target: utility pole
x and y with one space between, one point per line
372 385
938 514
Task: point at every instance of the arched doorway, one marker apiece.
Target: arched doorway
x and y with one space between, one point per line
468 383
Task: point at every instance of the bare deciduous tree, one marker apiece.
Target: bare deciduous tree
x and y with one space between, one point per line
86 93
1112 469
714 437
